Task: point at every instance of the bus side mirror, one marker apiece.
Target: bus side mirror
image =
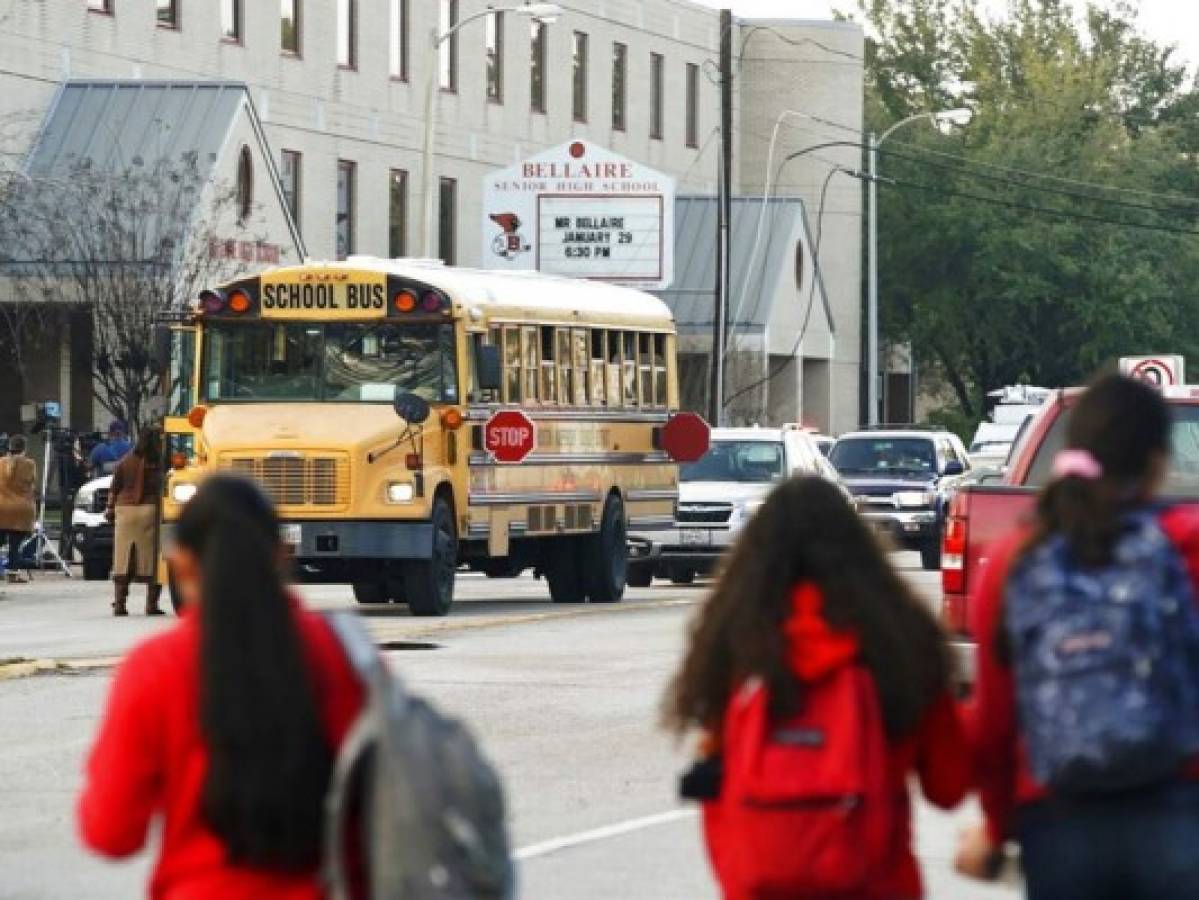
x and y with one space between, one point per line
487 367
411 408
161 347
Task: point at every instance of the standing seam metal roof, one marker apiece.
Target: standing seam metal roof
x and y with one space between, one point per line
692 295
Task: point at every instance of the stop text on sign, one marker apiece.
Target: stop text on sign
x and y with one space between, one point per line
510 436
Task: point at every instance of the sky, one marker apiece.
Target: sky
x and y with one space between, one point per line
1168 21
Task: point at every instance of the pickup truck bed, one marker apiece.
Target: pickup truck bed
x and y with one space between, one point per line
980 513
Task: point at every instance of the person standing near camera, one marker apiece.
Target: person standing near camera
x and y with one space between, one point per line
106 454
18 476
133 505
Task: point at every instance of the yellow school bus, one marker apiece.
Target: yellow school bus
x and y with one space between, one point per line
363 396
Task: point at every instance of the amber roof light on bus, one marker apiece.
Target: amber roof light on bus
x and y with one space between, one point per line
239 302
405 301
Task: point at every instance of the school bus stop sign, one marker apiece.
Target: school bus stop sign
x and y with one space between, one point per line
510 436
686 437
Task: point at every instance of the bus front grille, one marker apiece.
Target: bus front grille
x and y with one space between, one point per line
296 480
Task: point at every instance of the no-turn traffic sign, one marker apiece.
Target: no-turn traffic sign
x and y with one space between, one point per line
510 436
1161 371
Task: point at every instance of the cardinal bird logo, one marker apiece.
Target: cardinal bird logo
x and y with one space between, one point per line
508 244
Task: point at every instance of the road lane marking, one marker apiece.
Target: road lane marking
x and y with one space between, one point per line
545 848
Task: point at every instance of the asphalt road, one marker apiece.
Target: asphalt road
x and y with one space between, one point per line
565 700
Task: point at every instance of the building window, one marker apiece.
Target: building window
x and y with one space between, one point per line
289 174
347 38
447 220
537 41
447 61
289 26
100 6
655 96
397 40
168 13
580 77
346 173
397 213
620 81
494 45
692 105
231 21
245 184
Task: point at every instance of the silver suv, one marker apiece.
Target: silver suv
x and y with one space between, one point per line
717 495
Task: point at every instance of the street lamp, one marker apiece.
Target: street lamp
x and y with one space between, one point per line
949 118
539 12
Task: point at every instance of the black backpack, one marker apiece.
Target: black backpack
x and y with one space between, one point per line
428 806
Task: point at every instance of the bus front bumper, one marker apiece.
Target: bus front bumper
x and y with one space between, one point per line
317 542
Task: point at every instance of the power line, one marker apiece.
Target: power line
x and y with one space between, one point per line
1041 210
999 179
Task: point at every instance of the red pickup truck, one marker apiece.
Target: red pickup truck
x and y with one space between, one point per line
980 512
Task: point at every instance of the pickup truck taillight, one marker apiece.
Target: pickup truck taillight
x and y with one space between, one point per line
953 566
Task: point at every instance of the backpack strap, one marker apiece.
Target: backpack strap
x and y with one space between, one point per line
379 684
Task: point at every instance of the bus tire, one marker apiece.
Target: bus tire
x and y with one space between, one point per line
563 568
370 592
606 555
429 583
640 575
682 575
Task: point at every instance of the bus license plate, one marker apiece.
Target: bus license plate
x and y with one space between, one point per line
291 534
696 537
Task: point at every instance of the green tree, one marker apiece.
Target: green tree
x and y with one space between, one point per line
996 276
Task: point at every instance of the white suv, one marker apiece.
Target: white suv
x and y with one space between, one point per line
717 496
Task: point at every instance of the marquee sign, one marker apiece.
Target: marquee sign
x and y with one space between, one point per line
582 211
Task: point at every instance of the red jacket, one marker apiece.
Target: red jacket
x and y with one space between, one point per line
936 751
150 760
1004 779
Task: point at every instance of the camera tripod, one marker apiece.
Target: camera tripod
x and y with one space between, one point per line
42 548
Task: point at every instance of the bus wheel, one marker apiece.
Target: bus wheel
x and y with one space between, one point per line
606 555
370 592
564 571
429 583
640 575
682 575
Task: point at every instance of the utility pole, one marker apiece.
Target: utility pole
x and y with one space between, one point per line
724 207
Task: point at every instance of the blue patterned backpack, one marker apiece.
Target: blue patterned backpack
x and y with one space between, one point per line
1106 661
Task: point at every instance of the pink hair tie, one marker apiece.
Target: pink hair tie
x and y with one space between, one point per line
1077 464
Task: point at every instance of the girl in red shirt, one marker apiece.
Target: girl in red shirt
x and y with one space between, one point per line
1123 845
225 727
808 589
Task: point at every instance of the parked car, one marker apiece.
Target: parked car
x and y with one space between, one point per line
717 495
982 512
93 533
901 480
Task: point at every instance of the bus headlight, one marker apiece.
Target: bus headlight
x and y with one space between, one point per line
183 491
400 492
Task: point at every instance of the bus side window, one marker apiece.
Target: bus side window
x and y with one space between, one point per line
629 339
599 352
660 392
565 381
578 341
646 369
512 367
532 361
549 373
615 396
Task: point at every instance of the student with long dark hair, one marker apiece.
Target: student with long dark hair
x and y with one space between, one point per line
1097 790
226 726
808 590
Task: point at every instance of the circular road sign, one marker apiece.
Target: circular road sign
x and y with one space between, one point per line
686 437
1158 372
510 436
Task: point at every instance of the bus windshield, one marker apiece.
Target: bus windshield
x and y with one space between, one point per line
333 362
